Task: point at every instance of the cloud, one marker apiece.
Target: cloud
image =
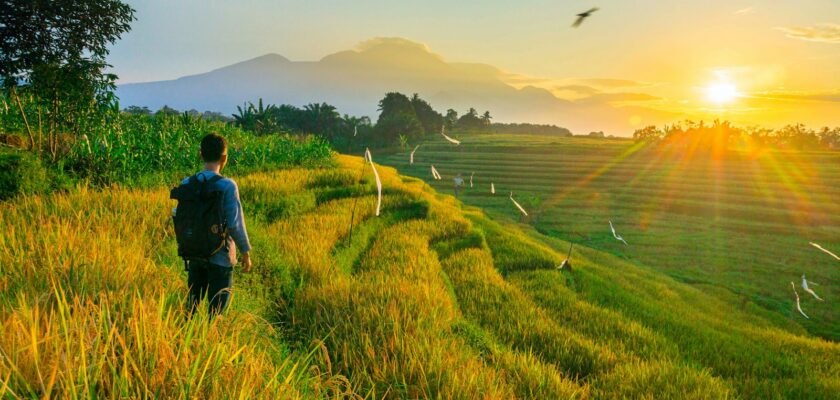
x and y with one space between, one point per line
373 43
617 98
747 10
825 33
614 83
826 95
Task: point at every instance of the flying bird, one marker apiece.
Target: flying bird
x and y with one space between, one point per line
492 188
435 174
798 307
368 157
582 16
411 158
517 205
809 290
471 176
826 251
619 238
451 140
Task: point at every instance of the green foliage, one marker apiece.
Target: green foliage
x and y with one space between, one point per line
722 135
391 126
431 120
58 49
166 143
21 173
530 129
471 121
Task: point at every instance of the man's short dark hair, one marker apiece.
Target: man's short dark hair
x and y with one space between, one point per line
213 147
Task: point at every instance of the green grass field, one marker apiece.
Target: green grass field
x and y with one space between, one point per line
432 299
738 227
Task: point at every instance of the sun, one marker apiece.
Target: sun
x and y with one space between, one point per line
721 92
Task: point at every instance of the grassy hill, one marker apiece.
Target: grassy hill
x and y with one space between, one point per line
737 227
430 299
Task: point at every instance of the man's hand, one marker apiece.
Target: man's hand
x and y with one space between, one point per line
246 262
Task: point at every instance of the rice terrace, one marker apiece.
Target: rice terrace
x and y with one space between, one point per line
579 207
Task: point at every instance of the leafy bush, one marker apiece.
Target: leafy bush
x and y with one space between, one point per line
21 172
138 145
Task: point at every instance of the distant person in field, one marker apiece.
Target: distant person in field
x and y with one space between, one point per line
209 226
459 181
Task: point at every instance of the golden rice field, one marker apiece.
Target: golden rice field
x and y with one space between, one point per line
432 299
737 227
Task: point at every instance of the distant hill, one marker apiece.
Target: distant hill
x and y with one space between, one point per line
355 80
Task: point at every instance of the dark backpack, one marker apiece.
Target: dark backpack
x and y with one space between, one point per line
200 226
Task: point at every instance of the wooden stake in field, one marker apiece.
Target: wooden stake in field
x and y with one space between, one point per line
435 174
824 250
522 210
808 289
798 307
451 140
619 238
566 264
411 156
356 198
369 157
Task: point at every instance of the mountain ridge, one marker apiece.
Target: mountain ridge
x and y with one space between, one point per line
355 80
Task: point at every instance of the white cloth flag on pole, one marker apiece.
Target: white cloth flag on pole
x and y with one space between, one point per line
824 250
798 307
808 289
619 238
471 176
451 140
517 205
435 174
368 157
411 156
492 188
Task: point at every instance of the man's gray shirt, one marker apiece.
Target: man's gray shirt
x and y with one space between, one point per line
234 217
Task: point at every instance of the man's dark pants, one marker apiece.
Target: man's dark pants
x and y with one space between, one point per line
211 281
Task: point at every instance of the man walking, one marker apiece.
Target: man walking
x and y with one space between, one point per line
209 226
459 181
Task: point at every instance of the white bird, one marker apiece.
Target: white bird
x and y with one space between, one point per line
826 251
471 176
517 205
798 307
619 238
492 188
411 157
451 140
809 290
368 157
435 174
355 130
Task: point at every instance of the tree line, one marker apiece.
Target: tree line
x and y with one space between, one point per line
402 121
722 135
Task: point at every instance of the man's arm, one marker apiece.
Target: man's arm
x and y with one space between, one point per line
236 223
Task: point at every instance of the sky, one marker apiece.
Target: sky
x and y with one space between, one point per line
754 62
